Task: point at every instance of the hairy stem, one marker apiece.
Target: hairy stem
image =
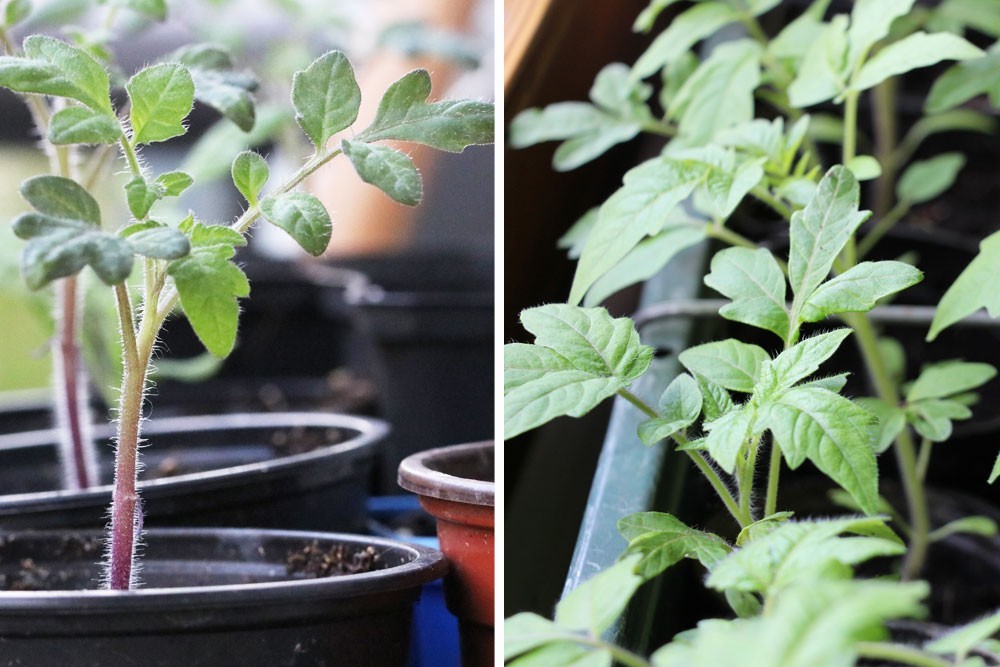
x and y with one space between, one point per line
78 459
745 474
897 653
773 479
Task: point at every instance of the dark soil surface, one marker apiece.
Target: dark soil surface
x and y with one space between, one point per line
313 562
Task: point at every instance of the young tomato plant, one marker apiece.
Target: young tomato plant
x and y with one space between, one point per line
185 262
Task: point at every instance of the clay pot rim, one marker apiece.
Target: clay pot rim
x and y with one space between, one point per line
422 473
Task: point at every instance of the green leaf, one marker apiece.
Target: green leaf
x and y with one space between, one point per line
326 97
727 435
820 231
141 196
565 654
960 641
216 85
684 31
796 38
647 17
661 540
995 473
162 97
832 432
858 289
731 73
762 527
891 419
821 76
525 632
800 552
60 247
580 357
964 81
974 289
588 131
173 183
679 406
61 198
451 125
949 378
83 125
640 208
388 169
729 363
970 525
646 259
250 173
754 282
594 605
716 401
924 180
724 189
154 9
156 240
52 67
913 52
870 22
209 283
805 357
16 11
212 156
864 167
303 216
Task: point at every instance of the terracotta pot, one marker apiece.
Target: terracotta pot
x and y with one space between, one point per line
455 485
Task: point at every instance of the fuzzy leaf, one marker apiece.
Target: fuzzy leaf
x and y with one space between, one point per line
913 52
173 183
588 132
948 379
662 540
216 85
729 363
451 125
326 97
525 632
821 76
640 208
754 282
580 357
60 247
961 640
832 432
388 169
805 357
858 289
679 406
61 198
924 180
797 552
974 289
594 605
891 419
716 401
52 67
83 125
726 437
250 173
684 31
821 230
209 283
141 196
156 240
303 216
162 97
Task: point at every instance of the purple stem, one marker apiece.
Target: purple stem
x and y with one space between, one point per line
72 414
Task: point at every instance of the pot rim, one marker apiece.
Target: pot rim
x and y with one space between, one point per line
368 431
419 473
426 565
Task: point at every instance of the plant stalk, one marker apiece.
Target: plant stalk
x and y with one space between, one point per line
79 465
773 479
884 121
897 653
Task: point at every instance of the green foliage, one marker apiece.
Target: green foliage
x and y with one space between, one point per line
161 97
250 174
679 407
972 290
961 640
388 169
82 125
326 97
217 85
580 357
52 67
662 540
303 216
924 180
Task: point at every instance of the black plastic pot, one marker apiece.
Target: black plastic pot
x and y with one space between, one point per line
231 470
430 320
212 597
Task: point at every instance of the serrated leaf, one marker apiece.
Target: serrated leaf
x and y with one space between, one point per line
662 540
833 383
973 289
820 231
580 357
450 125
960 641
684 31
173 183
949 378
640 208
594 605
731 364
716 401
161 97
303 216
156 240
680 405
326 97
821 76
250 173
805 357
762 527
60 247
727 435
832 432
209 284
890 420
859 289
924 180
797 552
755 283
83 125
388 169
53 67
913 52
61 198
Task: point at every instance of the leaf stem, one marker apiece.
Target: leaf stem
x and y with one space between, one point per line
898 653
773 478
745 475
762 194
884 112
78 461
904 448
924 458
